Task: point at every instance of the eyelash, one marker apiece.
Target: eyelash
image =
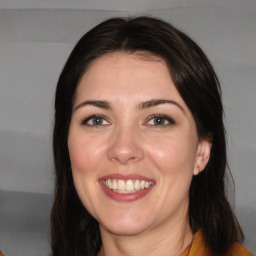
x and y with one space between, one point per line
155 116
163 117
99 117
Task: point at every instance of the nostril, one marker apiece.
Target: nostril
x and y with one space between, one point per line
124 146
125 155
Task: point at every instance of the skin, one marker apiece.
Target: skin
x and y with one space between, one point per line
129 141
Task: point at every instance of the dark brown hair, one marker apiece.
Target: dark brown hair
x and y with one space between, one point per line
73 230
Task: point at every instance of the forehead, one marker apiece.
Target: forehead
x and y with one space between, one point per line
138 63
127 77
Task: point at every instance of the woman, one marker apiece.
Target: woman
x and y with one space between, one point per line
139 147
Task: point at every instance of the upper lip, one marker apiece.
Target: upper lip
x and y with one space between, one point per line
126 177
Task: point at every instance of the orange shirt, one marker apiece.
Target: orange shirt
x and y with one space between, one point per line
200 248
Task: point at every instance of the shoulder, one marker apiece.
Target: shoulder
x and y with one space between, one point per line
236 249
199 247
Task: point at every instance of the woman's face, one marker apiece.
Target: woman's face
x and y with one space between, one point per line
133 145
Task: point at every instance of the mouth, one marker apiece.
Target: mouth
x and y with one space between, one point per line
126 188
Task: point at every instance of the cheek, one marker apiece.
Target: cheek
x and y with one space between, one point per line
173 154
85 153
85 161
173 159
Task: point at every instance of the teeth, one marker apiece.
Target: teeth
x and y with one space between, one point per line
142 184
108 184
120 185
137 185
129 186
114 184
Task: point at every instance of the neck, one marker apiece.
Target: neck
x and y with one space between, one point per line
165 240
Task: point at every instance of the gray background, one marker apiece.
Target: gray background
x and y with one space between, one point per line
36 38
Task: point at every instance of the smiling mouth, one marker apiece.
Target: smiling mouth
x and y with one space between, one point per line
127 186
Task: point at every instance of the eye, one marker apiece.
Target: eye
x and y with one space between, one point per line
95 120
160 120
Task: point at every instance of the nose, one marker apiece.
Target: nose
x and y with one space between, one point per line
125 147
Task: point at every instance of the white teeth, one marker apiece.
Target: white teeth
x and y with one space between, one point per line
129 186
108 184
114 186
137 185
120 185
142 184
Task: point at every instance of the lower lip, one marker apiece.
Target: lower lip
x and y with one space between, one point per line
125 197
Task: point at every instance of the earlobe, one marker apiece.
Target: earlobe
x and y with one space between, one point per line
202 156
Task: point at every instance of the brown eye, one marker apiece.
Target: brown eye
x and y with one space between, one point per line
95 120
160 120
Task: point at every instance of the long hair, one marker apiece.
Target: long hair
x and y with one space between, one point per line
198 85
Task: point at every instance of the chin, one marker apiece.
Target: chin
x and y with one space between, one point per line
124 226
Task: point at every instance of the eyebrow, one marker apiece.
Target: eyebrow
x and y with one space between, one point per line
144 105
96 103
156 102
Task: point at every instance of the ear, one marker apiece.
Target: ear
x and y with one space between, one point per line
202 155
